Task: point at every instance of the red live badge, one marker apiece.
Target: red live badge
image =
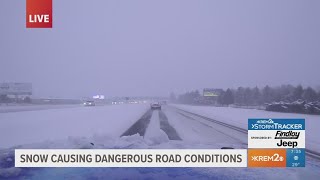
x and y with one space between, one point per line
39 14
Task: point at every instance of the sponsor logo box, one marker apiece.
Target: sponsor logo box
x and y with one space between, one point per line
276 133
276 143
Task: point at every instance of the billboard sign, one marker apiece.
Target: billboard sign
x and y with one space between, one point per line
98 97
15 89
211 92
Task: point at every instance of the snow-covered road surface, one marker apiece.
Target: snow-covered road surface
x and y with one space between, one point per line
133 127
194 129
239 117
25 127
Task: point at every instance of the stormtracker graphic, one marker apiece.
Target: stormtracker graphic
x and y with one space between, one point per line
276 133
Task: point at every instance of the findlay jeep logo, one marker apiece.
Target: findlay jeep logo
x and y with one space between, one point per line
284 135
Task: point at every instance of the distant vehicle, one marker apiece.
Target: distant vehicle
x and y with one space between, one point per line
155 105
89 103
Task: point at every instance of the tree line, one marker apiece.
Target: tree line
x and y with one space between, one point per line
246 96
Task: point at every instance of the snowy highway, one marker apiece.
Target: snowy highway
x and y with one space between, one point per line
214 126
20 126
136 126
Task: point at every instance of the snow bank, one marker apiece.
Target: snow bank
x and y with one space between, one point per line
154 135
52 124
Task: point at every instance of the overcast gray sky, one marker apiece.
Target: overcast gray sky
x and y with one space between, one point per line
154 47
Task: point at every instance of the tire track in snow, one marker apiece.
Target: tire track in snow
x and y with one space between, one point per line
167 128
140 126
241 130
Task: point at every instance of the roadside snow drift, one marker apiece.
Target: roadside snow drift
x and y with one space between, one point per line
36 126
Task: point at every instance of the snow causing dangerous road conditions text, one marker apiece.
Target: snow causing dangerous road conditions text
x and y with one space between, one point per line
130 158
146 158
